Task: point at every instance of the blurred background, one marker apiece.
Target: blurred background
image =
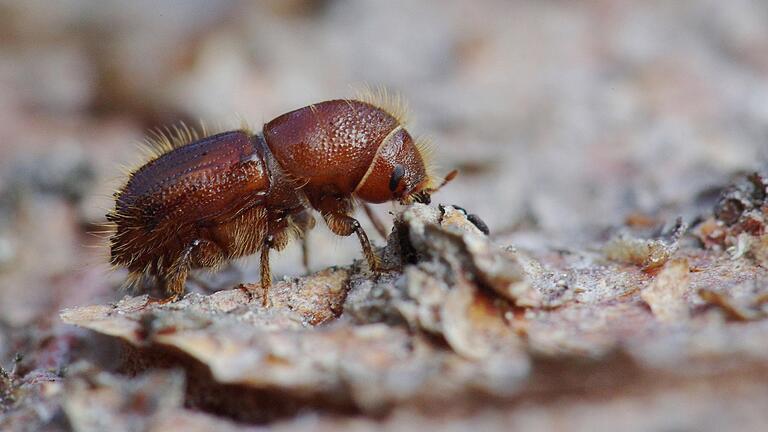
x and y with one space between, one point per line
563 117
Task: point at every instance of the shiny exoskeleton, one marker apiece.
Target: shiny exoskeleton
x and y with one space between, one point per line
202 201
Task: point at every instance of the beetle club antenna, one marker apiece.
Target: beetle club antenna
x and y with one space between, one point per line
424 196
447 179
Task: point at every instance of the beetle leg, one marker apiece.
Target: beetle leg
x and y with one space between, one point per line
266 273
344 225
176 275
162 301
304 222
305 253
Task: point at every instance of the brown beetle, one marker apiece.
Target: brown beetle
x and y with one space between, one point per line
203 200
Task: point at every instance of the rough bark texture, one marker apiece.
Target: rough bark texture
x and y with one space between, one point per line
466 330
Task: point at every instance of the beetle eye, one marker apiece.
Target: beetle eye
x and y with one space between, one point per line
397 176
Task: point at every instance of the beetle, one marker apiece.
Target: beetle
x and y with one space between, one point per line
204 199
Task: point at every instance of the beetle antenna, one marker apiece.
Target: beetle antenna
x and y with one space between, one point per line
447 179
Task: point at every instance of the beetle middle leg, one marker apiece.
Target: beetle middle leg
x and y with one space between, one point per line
278 240
303 223
266 272
305 254
344 225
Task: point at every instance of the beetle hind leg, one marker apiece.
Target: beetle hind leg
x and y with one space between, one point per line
175 277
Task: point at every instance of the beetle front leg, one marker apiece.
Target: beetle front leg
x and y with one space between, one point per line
344 225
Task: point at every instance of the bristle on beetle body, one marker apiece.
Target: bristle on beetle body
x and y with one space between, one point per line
397 106
391 102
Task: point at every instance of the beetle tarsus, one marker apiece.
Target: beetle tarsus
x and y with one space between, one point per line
161 301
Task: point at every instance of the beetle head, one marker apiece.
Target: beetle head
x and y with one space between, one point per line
399 172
